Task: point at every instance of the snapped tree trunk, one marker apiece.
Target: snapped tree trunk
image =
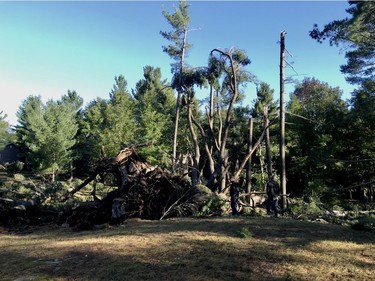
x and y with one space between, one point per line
282 120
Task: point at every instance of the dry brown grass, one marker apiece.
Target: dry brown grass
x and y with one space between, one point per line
208 249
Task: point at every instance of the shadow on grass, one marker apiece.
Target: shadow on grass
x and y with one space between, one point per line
300 233
214 252
205 260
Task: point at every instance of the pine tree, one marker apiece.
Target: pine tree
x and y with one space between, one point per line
155 104
357 34
48 134
177 50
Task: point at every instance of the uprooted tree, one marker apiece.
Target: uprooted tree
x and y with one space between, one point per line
143 191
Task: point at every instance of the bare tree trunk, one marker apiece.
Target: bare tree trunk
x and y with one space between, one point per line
211 142
248 165
282 121
261 166
247 157
268 142
223 169
178 102
176 121
196 158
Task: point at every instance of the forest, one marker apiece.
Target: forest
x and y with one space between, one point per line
157 151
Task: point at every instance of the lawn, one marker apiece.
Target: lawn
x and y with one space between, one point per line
209 249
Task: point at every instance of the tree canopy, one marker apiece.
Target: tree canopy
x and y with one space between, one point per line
357 33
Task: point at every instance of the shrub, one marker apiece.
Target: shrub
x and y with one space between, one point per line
366 223
300 207
245 232
19 177
55 190
14 167
213 206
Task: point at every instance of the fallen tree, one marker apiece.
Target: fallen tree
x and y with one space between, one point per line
143 191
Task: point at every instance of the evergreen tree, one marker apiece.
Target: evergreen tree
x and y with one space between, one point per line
6 135
226 74
110 125
155 104
120 123
92 126
266 108
48 133
315 119
355 164
177 50
357 33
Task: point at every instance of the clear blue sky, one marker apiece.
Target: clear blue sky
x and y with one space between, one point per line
48 48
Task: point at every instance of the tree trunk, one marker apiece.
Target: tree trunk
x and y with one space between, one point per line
248 165
268 142
176 121
196 158
222 168
282 121
178 102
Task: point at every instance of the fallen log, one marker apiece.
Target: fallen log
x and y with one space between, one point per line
143 191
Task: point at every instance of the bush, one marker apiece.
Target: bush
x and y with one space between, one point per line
300 207
213 206
19 177
55 190
14 167
245 232
366 223
249 211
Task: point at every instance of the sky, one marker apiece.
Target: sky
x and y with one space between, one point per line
50 47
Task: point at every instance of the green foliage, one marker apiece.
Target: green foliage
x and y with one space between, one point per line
6 135
353 208
155 105
16 189
357 33
316 113
47 133
359 134
54 191
264 98
300 207
179 21
220 74
14 167
109 125
214 206
245 232
19 177
366 223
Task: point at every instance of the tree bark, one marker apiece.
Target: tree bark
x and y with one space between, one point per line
268 142
195 171
178 101
248 164
222 168
282 120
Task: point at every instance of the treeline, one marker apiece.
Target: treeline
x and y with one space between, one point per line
330 143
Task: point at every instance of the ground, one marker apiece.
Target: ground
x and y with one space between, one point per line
216 248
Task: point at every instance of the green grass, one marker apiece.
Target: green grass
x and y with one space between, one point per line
190 249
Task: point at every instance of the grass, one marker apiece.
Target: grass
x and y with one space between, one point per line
209 249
